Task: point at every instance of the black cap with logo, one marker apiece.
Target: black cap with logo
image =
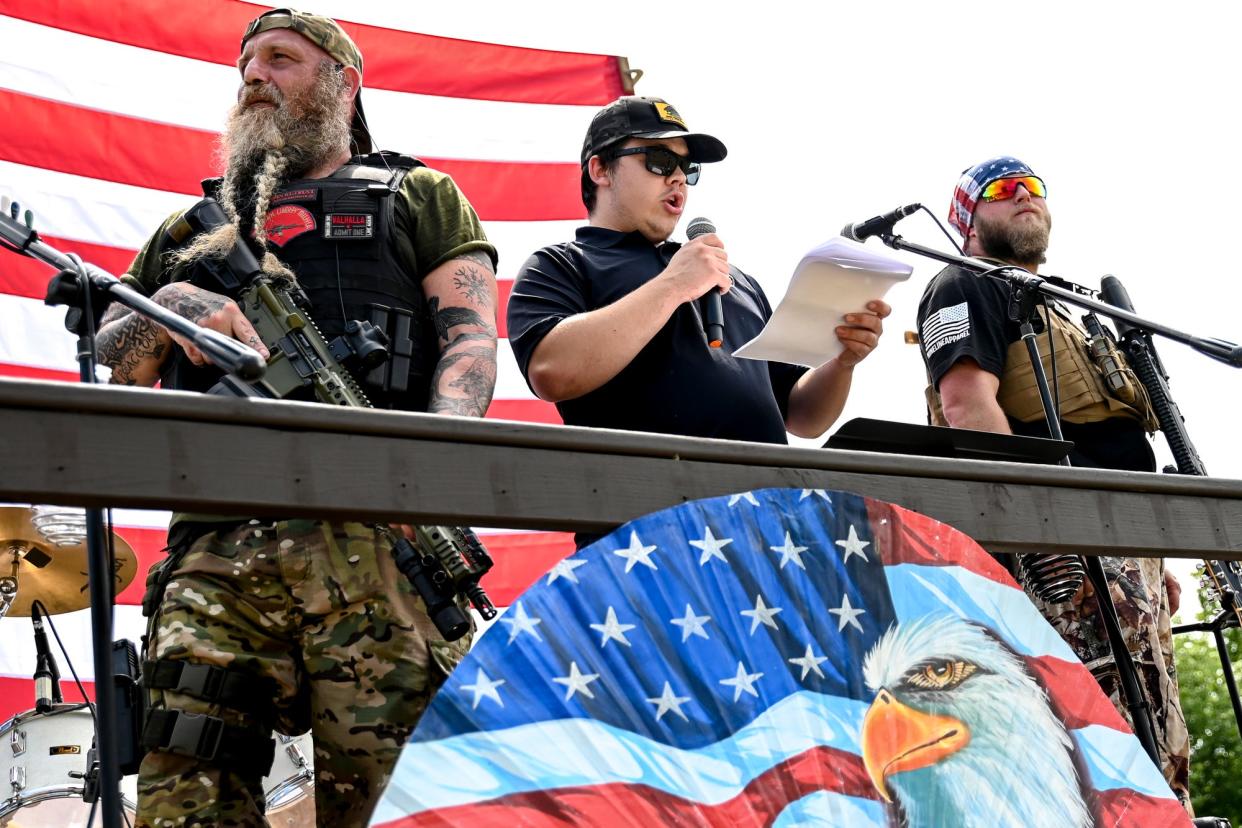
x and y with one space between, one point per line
638 117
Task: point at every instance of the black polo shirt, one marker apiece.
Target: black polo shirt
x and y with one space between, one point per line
676 384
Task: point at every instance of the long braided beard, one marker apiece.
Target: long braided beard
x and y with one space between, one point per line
265 148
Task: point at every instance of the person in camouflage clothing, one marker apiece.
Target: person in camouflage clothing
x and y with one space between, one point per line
1144 613
981 379
256 625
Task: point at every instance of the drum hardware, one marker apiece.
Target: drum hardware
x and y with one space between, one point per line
54 574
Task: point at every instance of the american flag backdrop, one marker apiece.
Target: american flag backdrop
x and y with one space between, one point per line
714 664
109 114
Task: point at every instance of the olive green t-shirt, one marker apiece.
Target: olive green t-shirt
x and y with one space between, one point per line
433 224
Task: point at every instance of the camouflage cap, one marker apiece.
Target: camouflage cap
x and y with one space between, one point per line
328 35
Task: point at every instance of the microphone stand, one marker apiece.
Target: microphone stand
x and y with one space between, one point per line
1025 290
88 291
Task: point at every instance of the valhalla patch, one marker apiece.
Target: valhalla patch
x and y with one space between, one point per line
286 223
349 226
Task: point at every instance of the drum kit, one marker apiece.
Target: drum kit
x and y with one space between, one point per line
46 753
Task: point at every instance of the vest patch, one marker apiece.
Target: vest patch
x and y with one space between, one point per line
945 326
295 195
287 223
349 226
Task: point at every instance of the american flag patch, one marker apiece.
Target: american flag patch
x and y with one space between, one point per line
945 326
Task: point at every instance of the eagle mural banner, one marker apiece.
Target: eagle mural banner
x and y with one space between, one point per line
778 657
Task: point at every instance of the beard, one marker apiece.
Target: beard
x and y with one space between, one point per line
1012 242
265 148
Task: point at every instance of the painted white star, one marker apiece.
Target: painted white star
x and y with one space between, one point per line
809 662
611 630
742 682
761 615
790 552
853 545
636 553
483 686
576 682
817 492
667 701
691 624
519 622
710 546
847 614
565 569
749 497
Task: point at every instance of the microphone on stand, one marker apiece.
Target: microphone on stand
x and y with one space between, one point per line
860 231
46 675
713 309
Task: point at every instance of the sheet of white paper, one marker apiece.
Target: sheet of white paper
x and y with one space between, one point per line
838 277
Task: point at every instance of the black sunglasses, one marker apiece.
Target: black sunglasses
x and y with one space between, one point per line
663 161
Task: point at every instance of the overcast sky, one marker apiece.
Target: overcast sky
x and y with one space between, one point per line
834 112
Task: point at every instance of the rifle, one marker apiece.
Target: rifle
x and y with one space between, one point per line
1225 577
444 561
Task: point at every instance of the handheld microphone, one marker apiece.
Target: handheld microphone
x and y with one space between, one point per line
860 231
713 309
46 675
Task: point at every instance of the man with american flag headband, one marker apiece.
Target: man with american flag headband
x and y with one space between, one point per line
982 379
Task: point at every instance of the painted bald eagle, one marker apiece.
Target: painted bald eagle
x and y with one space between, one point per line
960 733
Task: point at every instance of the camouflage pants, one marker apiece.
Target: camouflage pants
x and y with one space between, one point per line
1142 603
321 610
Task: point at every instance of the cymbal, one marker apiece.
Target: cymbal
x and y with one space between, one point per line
54 575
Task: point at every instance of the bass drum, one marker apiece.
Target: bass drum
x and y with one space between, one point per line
42 762
290 786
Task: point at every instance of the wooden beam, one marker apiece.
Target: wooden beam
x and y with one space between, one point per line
166 450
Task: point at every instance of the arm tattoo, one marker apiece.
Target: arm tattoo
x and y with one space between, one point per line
451 316
479 257
114 312
127 345
194 307
470 392
471 284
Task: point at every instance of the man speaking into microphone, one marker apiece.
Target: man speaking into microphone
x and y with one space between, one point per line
615 327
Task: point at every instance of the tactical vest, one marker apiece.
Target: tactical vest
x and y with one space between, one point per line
337 234
1084 395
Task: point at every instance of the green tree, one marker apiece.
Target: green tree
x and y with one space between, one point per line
1215 744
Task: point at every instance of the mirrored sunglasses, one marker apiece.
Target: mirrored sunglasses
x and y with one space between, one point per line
1003 188
662 162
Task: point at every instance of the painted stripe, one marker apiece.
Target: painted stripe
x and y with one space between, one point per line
404 61
191 93
1123 807
1117 760
175 159
564 753
926 590
824 808
760 803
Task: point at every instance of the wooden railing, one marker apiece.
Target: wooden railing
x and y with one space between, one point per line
136 448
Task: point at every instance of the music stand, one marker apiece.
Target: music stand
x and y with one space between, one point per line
866 434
